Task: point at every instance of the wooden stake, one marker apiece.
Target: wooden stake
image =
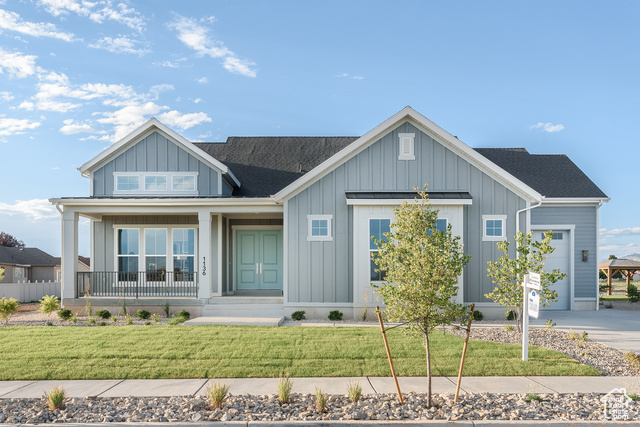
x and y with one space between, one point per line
386 346
464 352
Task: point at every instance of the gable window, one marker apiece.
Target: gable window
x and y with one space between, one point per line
183 183
494 227
319 227
406 141
155 183
127 183
377 228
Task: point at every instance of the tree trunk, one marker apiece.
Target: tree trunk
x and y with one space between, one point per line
426 346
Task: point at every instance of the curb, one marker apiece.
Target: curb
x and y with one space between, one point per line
328 423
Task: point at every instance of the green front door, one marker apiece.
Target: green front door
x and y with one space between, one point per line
258 259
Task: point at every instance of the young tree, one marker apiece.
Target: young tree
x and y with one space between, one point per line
8 240
508 273
421 266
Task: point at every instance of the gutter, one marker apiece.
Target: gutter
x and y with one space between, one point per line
524 210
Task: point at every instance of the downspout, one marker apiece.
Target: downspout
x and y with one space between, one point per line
598 253
521 211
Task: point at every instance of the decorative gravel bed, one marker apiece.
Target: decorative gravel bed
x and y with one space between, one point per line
485 406
608 360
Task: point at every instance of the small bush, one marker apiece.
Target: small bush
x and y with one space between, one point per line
298 315
335 315
284 389
103 314
321 400
478 316
354 390
55 397
548 324
508 327
533 396
91 320
128 319
155 317
103 323
165 308
179 318
114 319
632 292
217 393
143 314
633 359
185 314
74 318
49 304
147 323
7 308
65 314
510 315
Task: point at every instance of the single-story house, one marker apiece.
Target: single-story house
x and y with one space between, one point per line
22 264
291 218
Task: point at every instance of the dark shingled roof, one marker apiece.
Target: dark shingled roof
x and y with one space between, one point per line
26 256
552 175
265 165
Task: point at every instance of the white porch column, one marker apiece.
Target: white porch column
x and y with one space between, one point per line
69 260
205 263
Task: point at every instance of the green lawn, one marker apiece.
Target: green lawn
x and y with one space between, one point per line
237 352
614 298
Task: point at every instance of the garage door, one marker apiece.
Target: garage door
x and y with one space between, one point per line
559 259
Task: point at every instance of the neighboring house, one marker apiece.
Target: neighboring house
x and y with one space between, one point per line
294 216
28 265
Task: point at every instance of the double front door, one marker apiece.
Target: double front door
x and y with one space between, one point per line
259 259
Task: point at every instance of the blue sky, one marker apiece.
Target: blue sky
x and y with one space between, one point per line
75 76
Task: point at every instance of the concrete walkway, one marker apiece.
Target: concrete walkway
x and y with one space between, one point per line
370 385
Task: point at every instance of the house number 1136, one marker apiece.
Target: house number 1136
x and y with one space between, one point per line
204 266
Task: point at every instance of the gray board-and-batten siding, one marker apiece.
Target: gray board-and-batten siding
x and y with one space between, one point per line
155 153
319 271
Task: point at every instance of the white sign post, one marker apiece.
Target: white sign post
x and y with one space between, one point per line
531 307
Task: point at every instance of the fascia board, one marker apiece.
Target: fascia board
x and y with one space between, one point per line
262 201
428 127
149 126
574 200
398 202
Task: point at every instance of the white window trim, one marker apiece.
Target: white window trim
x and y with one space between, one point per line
327 238
503 236
141 183
411 154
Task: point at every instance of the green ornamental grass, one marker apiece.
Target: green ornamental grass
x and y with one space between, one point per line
217 393
55 398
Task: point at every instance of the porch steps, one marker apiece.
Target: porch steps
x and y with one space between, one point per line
241 310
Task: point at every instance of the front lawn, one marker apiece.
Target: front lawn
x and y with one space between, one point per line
33 353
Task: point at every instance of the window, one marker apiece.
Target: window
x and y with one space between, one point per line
406 141
128 251
155 183
377 228
165 183
127 183
555 236
18 273
184 253
155 251
183 183
319 227
494 227
441 225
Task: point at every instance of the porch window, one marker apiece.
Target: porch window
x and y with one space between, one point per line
128 251
155 250
377 228
184 246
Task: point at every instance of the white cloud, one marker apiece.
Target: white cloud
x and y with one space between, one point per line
239 66
6 96
629 231
128 118
11 126
197 37
197 101
183 121
15 64
119 45
345 75
203 80
12 21
32 210
168 64
71 128
357 78
97 11
547 127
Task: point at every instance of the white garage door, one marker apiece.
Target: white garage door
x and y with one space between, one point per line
559 259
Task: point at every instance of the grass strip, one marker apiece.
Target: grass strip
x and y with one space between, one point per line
160 351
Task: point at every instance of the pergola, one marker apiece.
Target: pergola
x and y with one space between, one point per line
627 267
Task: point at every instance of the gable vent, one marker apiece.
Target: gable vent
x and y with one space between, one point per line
406 145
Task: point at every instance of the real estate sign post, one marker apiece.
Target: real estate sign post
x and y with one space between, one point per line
531 307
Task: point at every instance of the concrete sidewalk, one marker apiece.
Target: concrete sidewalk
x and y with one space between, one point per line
370 385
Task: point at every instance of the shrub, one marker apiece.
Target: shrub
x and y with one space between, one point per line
114 319
511 315
217 393
128 319
633 359
55 397
321 400
74 318
185 314
298 315
155 317
143 314
165 308
7 308
478 316
632 291
178 319
49 304
548 324
103 314
103 323
335 315
354 390
284 389
533 396
91 320
65 314
508 328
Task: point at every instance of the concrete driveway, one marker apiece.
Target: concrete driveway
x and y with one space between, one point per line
616 328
